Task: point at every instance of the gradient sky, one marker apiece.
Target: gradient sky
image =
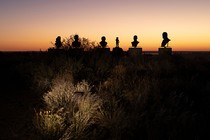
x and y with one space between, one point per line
33 24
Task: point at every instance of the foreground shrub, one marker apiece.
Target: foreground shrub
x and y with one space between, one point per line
83 118
50 125
70 110
61 94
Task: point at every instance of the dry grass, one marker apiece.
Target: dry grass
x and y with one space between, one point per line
49 124
130 100
69 103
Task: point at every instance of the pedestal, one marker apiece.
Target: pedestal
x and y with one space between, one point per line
55 51
165 51
76 52
117 52
135 52
102 51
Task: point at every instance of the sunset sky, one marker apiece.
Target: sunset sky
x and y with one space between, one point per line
31 25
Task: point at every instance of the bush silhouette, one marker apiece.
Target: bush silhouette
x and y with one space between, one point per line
85 43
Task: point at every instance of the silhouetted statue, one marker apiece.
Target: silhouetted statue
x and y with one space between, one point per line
58 42
76 43
117 42
165 40
135 42
103 42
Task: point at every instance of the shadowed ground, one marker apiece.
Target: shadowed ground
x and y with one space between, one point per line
17 103
18 100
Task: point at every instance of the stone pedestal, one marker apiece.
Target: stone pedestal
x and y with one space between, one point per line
134 52
102 51
165 51
117 52
76 52
55 51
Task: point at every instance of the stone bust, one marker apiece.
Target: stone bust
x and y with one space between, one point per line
135 42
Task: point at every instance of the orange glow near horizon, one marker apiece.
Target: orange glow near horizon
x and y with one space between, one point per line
148 44
33 25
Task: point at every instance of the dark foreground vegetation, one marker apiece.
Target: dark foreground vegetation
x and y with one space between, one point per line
96 96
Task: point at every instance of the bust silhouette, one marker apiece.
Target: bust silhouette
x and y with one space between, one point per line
103 42
117 42
58 42
135 42
165 40
76 43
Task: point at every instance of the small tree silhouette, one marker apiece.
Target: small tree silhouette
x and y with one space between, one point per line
85 43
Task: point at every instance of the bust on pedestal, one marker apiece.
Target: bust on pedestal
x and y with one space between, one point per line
58 46
117 51
58 43
76 50
165 50
76 44
102 50
135 51
103 42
